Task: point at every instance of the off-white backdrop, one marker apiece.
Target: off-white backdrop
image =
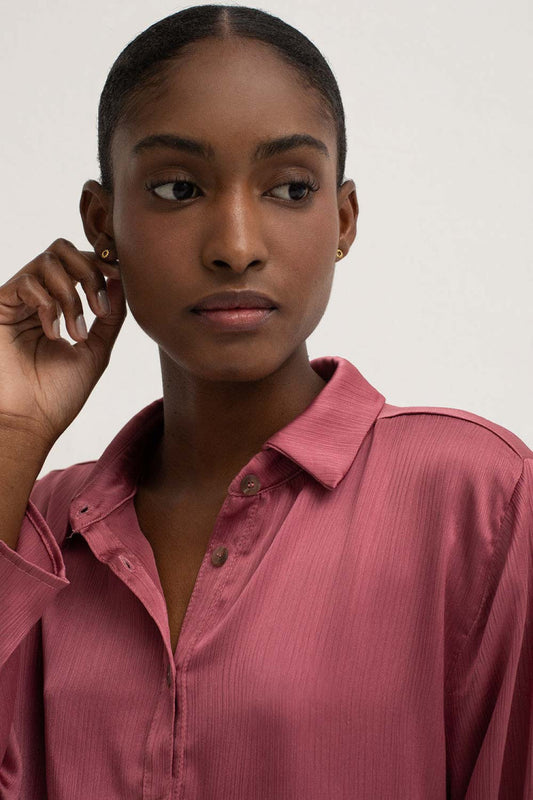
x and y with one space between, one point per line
433 303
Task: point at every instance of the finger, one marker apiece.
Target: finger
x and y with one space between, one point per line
28 291
104 330
61 287
85 268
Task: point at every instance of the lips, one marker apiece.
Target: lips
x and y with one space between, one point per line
237 299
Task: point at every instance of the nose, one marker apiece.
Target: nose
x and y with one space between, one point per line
234 237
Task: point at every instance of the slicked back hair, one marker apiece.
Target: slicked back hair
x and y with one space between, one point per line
143 64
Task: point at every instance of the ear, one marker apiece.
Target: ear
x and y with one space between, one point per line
96 209
348 213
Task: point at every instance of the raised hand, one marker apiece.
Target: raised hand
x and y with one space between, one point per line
44 379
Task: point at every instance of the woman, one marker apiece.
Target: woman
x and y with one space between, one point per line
272 584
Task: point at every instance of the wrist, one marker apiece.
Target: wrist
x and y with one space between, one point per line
23 445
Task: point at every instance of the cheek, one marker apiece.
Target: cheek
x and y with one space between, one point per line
142 236
320 234
153 258
316 266
313 290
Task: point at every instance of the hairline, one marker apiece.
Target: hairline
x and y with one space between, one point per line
153 85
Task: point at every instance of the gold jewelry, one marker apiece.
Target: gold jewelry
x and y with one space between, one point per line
339 254
104 254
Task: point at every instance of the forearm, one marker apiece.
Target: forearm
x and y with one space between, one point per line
21 460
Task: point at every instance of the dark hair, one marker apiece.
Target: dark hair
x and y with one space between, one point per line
143 63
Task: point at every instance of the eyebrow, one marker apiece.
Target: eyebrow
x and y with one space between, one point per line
266 149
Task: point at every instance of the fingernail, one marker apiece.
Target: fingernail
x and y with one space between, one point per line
55 328
103 301
81 327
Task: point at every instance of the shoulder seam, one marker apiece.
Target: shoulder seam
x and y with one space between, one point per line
460 415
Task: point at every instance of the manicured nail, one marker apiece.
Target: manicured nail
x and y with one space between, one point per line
81 327
103 301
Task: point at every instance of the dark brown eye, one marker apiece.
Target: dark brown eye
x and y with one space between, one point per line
296 190
173 190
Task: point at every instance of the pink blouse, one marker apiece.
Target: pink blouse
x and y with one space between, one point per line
361 627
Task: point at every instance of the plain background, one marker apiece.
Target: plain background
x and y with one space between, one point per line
433 303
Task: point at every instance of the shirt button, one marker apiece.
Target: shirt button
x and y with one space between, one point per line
219 556
126 562
250 484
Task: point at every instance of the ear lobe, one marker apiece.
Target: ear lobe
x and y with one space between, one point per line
96 211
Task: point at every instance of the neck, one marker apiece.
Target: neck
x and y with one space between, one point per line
212 429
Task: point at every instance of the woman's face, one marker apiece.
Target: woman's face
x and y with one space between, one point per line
186 226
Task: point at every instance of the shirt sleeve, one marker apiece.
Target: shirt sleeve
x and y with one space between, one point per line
30 578
489 693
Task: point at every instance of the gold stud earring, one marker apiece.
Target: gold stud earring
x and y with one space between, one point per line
105 255
339 254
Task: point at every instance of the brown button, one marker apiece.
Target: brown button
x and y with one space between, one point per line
250 484
219 556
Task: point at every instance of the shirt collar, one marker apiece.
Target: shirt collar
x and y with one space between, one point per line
325 437
323 440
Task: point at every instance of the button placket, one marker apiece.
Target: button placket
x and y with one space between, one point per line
249 485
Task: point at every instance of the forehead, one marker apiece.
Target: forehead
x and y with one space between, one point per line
232 89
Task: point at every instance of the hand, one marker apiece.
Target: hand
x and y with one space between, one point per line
44 380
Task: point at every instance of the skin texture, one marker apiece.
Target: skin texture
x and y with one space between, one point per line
224 393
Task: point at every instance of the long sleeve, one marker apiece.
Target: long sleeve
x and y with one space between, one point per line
489 712
30 578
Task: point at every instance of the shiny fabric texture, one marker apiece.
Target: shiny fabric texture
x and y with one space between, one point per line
368 636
